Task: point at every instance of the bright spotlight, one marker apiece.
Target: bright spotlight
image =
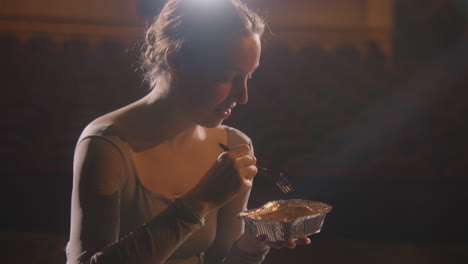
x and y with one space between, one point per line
205 3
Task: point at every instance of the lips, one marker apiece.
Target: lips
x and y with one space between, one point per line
224 112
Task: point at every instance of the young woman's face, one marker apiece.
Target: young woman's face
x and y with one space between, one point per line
219 82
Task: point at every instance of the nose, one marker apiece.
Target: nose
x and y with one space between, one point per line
241 93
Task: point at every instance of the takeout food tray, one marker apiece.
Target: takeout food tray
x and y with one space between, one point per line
286 229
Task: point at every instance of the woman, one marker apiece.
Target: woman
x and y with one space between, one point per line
151 184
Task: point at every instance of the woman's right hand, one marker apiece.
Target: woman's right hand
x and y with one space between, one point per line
231 174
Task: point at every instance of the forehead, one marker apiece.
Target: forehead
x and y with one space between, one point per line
243 52
237 52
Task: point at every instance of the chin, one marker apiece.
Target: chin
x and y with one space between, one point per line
210 120
211 124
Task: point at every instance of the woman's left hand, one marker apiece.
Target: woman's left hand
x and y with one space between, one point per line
249 243
302 240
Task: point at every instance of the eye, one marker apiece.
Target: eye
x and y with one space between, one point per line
224 77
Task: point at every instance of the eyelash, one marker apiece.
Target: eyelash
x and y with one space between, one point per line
229 79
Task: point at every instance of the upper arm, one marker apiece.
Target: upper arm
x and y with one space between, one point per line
237 137
98 174
229 228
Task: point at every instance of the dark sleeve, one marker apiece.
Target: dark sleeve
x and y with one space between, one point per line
99 172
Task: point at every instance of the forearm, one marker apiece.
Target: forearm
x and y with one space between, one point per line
234 243
154 242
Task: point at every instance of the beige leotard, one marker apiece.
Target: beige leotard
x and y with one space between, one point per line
136 225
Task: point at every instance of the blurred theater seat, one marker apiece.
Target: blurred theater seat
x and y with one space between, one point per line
370 252
37 248
49 248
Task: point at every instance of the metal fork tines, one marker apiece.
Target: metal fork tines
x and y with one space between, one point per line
284 184
278 178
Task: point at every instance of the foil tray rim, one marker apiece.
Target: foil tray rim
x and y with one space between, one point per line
251 214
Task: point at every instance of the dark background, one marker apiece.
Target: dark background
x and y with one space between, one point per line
384 143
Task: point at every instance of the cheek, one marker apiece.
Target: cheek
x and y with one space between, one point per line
212 94
222 91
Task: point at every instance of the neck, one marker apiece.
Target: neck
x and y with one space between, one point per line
159 118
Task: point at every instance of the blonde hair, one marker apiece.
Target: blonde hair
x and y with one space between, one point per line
184 27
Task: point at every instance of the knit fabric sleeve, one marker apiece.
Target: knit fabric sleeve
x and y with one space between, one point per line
99 172
230 227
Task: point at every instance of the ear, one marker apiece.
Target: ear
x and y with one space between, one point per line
172 62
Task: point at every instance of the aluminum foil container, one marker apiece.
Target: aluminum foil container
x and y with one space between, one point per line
285 230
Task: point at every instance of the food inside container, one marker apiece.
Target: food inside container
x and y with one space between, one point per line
286 219
289 213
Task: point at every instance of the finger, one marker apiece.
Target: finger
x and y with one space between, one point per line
239 150
245 161
224 163
275 244
303 240
290 244
248 173
227 158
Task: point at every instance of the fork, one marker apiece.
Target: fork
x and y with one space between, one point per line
278 178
